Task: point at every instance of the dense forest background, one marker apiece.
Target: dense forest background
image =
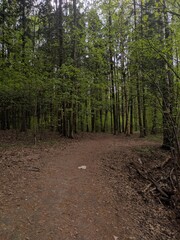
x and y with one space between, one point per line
72 65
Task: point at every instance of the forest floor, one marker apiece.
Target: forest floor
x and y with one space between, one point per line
82 189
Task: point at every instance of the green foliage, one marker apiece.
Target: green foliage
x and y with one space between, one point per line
56 68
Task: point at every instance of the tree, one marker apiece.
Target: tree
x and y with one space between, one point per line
90 66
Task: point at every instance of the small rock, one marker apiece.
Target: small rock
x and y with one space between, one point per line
82 167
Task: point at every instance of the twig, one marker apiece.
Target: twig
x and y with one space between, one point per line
165 162
148 177
171 179
147 188
34 169
158 187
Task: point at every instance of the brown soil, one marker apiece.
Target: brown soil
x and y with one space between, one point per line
44 195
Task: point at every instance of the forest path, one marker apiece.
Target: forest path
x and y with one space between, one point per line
63 202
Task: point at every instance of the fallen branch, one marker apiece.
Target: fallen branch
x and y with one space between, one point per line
171 178
158 187
147 188
166 162
148 177
34 169
163 164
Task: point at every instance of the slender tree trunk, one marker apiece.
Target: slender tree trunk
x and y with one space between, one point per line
131 116
138 76
112 74
92 120
144 113
60 33
62 125
154 118
168 91
65 131
141 128
3 31
74 57
122 109
23 119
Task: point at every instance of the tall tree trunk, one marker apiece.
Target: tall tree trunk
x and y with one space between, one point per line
112 72
60 33
3 31
59 26
167 90
141 128
138 77
73 116
131 112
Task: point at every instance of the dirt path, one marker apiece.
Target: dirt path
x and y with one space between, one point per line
59 201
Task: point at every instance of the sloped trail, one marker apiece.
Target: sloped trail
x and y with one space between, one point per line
63 202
